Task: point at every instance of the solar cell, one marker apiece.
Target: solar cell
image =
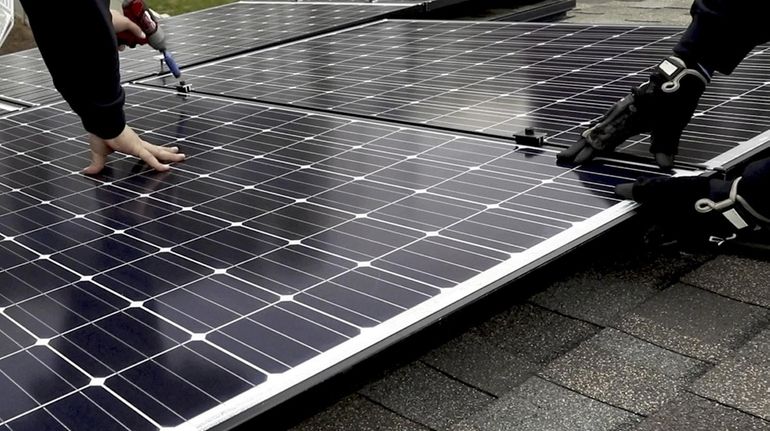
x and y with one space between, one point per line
24 79
287 244
489 78
201 36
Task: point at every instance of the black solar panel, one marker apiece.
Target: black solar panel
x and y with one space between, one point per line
427 5
202 36
489 78
24 78
286 244
212 33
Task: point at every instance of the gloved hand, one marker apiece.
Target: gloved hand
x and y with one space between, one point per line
662 107
691 209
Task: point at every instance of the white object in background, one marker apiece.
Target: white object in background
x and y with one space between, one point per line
6 19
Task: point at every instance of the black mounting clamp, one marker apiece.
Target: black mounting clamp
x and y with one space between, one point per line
530 137
184 88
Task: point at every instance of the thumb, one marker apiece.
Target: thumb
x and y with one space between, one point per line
579 152
135 29
625 190
99 152
97 164
665 145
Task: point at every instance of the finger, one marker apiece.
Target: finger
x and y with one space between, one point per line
569 154
172 157
665 161
585 154
664 145
121 48
135 29
157 149
151 160
170 154
625 190
98 160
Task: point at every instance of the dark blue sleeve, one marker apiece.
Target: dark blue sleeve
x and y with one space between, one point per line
720 36
78 43
723 32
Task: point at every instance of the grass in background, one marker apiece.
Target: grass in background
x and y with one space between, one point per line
175 7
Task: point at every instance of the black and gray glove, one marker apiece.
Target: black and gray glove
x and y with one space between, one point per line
662 107
696 209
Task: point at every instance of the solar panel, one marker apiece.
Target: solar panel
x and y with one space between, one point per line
489 78
24 78
289 244
201 36
426 5
212 33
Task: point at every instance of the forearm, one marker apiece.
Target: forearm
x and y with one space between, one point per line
723 32
78 44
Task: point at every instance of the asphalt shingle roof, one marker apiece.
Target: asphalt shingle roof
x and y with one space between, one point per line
625 372
743 381
614 283
539 405
504 351
427 396
694 413
736 277
695 322
358 413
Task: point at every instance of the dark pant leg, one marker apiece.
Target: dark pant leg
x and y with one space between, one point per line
723 32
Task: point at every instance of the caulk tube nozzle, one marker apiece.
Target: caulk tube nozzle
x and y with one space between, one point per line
172 66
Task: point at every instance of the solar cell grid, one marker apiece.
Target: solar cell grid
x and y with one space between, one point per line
198 37
23 78
489 78
144 300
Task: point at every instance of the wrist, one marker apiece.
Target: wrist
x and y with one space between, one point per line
673 70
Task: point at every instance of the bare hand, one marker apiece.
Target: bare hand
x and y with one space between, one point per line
121 24
128 142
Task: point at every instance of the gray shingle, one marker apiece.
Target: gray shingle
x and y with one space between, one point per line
596 300
538 405
616 283
737 277
504 351
427 396
742 382
624 371
693 413
695 322
474 360
357 413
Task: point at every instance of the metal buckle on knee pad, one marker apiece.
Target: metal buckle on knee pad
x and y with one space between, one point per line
736 210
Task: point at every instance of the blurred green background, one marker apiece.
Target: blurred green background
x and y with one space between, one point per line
175 7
